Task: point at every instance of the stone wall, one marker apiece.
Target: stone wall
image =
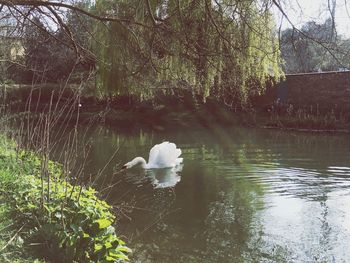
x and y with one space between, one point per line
326 90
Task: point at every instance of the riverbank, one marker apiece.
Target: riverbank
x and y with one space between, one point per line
45 217
160 115
173 107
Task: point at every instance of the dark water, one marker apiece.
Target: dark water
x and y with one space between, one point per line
243 195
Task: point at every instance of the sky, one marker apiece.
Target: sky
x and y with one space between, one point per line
302 11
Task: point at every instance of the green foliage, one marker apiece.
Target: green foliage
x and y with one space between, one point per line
70 224
227 49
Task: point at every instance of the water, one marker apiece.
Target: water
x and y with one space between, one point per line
242 195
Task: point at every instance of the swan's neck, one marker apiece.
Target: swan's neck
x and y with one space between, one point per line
138 160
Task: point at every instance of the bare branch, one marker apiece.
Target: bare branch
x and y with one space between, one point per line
38 3
322 44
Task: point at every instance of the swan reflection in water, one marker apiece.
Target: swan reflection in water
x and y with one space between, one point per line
164 177
158 178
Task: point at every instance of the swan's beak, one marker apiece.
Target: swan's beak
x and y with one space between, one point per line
126 166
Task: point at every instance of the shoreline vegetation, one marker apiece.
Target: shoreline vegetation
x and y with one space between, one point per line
174 107
50 218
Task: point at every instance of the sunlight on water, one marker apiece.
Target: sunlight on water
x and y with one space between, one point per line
243 195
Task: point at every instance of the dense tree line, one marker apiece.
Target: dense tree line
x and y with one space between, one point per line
227 49
314 48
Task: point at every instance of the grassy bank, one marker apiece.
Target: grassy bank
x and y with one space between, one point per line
45 217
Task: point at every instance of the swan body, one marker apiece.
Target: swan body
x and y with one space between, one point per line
163 155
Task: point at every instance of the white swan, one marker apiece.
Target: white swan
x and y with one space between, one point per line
164 155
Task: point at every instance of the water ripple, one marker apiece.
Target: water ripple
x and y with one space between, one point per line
292 181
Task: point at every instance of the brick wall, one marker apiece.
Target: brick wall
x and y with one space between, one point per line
328 90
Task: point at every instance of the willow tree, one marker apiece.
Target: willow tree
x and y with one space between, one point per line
225 48
122 48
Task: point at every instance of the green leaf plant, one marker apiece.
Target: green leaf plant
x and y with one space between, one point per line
72 225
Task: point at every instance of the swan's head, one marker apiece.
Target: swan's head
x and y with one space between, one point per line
135 161
127 165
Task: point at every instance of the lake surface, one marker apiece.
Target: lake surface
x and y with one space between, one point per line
242 195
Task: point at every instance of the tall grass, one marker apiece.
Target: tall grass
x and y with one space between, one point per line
310 118
51 210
